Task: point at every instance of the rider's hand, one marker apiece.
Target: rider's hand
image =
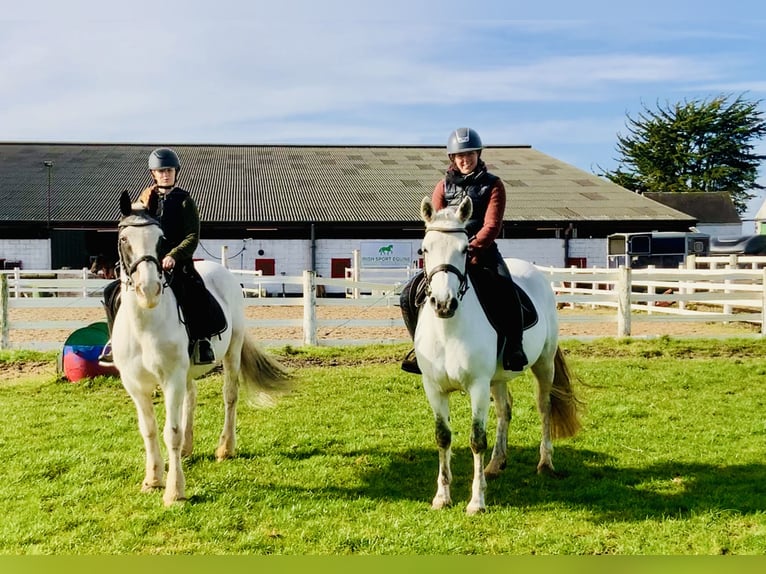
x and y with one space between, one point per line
472 256
168 263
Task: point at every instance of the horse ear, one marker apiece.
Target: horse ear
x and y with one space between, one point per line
152 204
426 210
125 206
465 209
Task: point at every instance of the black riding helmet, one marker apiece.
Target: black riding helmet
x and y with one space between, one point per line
463 140
163 158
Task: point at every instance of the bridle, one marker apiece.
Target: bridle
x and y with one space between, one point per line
131 266
448 267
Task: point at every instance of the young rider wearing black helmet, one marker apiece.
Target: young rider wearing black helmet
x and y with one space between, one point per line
467 175
179 219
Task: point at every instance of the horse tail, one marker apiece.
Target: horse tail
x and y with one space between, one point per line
262 375
565 419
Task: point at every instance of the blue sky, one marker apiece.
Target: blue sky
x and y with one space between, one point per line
559 76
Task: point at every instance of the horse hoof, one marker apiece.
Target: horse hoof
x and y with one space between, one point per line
493 471
547 470
174 500
222 454
152 486
473 509
439 503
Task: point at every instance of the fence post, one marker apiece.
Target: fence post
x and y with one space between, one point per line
733 264
3 311
17 281
763 301
85 273
355 263
309 308
623 302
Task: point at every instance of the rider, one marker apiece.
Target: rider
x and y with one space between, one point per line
467 175
179 219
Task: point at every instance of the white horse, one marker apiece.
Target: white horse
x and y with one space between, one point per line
150 346
456 349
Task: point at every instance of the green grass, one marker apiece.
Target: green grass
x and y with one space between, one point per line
670 461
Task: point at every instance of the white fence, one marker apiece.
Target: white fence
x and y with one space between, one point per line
725 292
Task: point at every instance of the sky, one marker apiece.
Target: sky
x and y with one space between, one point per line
562 77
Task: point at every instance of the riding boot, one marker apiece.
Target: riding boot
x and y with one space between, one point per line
203 352
514 358
408 302
111 303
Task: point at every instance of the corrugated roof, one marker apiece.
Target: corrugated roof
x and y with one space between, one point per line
706 207
298 184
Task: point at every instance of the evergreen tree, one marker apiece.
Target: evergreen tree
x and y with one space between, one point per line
698 145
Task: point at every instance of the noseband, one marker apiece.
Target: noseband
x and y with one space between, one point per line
139 221
448 267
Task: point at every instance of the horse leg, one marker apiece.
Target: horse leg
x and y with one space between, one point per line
503 407
543 371
147 425
227 442
190 405
479 407
173 433
440 407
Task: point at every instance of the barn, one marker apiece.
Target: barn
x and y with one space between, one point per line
283 209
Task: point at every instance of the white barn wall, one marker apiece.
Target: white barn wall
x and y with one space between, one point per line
292 257
594 251
550 252
546 252
33 253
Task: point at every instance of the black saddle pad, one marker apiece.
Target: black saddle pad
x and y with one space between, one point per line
217 319
529 315
528 312
203 315
492 291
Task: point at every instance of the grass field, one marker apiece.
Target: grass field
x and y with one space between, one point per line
670 461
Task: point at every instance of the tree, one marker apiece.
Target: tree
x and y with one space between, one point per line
698 145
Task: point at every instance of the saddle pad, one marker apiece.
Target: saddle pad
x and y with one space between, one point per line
528 312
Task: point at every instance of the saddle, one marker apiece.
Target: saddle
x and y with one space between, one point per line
492 295
202 314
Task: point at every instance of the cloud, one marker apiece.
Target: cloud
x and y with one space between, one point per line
229 71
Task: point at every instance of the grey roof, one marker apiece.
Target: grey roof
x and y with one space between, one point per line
706 207
301 183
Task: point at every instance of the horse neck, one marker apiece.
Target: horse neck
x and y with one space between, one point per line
164 313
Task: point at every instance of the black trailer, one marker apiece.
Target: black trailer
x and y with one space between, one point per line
666 249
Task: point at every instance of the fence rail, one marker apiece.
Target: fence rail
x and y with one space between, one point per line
721 290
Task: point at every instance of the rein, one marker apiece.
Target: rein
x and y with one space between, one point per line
448 267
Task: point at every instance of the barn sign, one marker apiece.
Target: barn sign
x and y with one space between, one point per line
386 254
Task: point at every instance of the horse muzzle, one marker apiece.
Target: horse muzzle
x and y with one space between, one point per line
148 295
444 309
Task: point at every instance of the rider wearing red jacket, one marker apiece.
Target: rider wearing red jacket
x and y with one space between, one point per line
467 175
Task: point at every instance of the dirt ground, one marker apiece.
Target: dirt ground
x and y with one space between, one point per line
571 324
